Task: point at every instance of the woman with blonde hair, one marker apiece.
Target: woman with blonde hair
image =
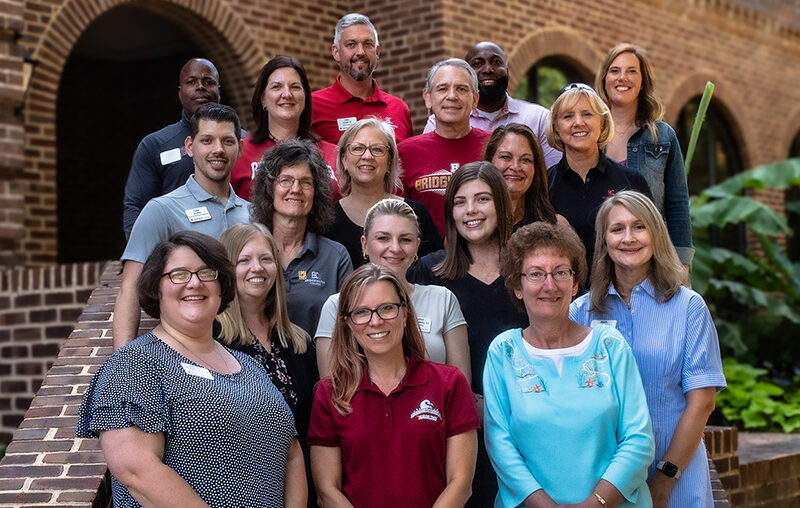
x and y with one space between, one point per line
389 428
368 172
257 323
643 142
636 287
391 239
580 125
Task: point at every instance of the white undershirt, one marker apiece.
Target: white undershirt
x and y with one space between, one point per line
558 355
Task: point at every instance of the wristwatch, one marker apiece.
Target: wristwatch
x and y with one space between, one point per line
669 469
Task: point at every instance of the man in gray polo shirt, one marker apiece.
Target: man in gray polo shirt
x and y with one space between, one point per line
206 204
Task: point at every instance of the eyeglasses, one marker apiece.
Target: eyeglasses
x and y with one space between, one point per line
358 149
538 276
385 311
184 276
287 182
579 86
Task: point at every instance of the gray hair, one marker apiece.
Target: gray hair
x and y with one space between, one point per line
454 62
349 20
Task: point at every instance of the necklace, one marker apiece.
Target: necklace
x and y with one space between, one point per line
195 358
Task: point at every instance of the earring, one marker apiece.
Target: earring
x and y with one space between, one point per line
416 258
366 258
264 107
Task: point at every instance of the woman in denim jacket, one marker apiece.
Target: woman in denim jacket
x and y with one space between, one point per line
643 142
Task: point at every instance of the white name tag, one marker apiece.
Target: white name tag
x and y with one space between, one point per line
170 156
196 370
424 324
346 123
609 322
198 214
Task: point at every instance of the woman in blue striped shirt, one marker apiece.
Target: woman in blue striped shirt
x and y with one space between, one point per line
636 287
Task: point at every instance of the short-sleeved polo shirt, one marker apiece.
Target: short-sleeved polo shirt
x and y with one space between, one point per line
335 110
394 447
189 207
314 275
579 201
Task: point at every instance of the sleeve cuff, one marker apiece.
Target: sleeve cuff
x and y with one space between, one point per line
685 254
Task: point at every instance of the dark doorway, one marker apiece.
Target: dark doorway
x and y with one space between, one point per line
119 84
547 77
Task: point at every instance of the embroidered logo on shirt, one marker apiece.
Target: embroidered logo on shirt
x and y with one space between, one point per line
426 411
314 278
435 182
389 121
301 274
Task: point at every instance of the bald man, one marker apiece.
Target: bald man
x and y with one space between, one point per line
495 106
160 163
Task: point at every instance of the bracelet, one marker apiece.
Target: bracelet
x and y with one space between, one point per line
600 499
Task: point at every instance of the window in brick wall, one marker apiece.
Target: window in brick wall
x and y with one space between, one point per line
793 209
716 158
547 77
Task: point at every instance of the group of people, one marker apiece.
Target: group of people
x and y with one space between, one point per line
492 313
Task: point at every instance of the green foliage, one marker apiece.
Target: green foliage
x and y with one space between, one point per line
698 123
754 402
755 299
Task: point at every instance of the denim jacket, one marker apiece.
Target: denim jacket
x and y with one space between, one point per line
661 163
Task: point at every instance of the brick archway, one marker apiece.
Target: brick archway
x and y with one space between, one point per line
213 26
791 132
559 42
725 94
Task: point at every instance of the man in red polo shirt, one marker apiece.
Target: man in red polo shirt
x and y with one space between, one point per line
355 94
428 160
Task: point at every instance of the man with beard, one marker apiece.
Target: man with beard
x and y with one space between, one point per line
206 203
354 94
495 106
161 163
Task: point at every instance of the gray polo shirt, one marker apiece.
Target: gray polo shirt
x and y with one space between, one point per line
314 275
189 207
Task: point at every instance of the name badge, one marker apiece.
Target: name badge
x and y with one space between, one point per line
170 156
609 322
198 214
424 324
346 123
196 370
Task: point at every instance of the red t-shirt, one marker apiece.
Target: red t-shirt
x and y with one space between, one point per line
394 448
335 109
428 161
245 168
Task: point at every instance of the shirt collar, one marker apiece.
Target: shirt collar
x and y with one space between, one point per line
185 119
510 106
200 194
342 95
646 285
414 376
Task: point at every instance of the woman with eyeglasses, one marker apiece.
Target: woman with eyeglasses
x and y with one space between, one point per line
368 172
644 143
281 108
389 428
580 125
477 215
170 407
637 288
565 414
291 197
257 324
391 239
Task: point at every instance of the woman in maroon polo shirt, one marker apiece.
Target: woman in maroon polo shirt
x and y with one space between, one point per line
389 428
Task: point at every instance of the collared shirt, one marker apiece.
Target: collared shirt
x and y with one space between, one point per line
428 162
314 275
397 441
579 201
514 111
160 165
676 348
189 207
335 110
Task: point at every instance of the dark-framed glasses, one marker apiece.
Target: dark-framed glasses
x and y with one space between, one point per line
358 149
385 311
184 276
579 86
287 182
539 276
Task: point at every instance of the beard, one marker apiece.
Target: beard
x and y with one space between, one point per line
359 74
493 93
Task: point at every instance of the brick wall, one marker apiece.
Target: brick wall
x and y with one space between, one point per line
38 309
